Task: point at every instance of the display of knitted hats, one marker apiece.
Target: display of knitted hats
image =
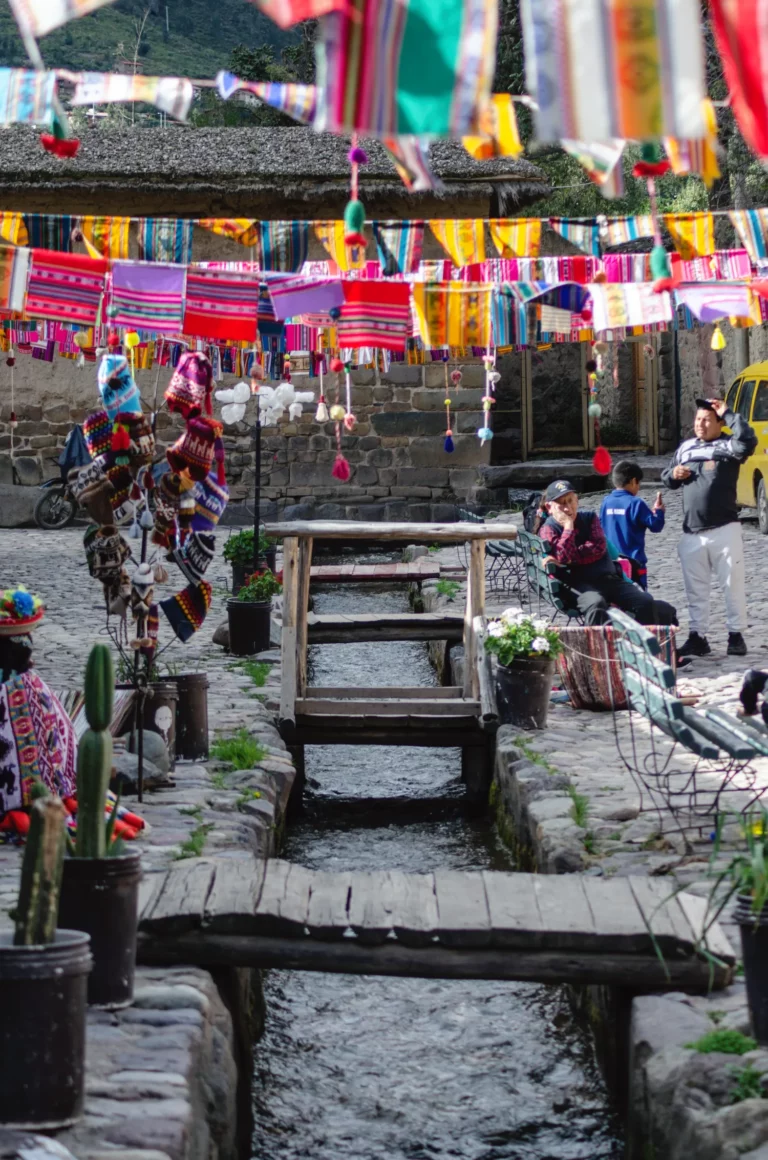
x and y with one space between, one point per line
164 534
123 507
172 487
118 593
194 556
187 610
81 478
20 612
148 644
194 451
211 499
97 430
110 552
142 589
89 546
96 498
117 387
142 446
189 391
185 515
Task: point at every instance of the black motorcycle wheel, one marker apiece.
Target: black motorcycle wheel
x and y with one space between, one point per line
53 511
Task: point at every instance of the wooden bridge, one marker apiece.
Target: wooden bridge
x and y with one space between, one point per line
449 925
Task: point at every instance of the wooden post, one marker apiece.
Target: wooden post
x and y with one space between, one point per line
475 607
304 570
290 620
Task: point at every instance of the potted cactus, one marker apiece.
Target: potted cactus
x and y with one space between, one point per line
100 888
250 614
43 974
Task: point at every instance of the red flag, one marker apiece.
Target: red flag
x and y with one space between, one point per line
741 33
288 12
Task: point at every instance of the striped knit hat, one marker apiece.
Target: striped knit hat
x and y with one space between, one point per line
118 390
194 451
211 499
187 610
97 429
189 391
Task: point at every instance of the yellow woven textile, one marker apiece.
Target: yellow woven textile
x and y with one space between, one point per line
516 237
692 233
463 239
242 230
499 135
332 235
453 315
106 237
697 156
13 229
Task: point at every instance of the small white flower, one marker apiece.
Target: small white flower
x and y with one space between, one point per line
496 628
540 625
513 616
540 644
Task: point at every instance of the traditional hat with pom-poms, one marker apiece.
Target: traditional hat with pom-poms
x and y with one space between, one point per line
195 555
195 451
117 387
211 499
20 612
187 610
189 391
97 431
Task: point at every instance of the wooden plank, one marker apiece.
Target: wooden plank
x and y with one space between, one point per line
462 910
414 908
302 612
474 608
410 533
619 922
385 692
416 572
419 732
419 707
149 891
419 626
514 914
180 904
563 908
234 895
664 916
284 902
700 916
370 906
328 900
486 691
288 674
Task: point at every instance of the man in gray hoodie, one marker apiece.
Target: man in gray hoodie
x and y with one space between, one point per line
707 469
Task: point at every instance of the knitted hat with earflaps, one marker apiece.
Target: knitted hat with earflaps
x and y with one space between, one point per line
195 450
117 387
97 430
189 391
211 499
194 556
187 610
110 552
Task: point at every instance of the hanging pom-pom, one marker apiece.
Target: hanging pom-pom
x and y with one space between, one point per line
485 434
337 366
718 339
660 267
601 461
586 315
321 414
146 521
60 147
601 277
652 163
14 422
594 410
354 223
341 469
334 314
448 444
357 155
591 366
649 351
338 413
10 361
456 377
121 440
113 340
350 422
160 573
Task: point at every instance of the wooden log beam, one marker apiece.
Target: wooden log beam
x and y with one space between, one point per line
420 626
418 707
407 533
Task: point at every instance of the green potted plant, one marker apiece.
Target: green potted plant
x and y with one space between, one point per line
100 887
43 974
238 551
250 614
526 649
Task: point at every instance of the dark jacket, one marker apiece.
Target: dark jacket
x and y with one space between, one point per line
584 551
709 495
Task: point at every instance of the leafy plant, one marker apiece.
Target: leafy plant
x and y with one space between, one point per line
725 1040
258 671
242 751
748 1085
261 587
516 634
194 845
447 588
580 807
248 795
239 547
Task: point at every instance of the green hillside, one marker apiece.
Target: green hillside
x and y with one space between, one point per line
197 41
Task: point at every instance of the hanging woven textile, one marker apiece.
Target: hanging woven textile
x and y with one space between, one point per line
242 230
498 132
332 235
509 319
14 272
148 297
399 246
376 314
294 295
692 233
617 306
516 237
67 287
37 17
165 240
410 157
752 227
107 237
221 304
581 232
407 67
288 12
49 231
618 231
453 314
171 95
26 96
741 34
283 246
463 239
602 163
13 229
697 156
296 101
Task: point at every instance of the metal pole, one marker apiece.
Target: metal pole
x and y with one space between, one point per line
257 494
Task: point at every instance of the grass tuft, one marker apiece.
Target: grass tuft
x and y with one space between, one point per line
580 807
258 671
195 843
725 1040
748 1084
448 588
242 751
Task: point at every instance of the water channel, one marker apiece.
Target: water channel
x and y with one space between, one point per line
359 1068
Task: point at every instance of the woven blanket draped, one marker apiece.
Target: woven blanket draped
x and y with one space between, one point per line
66 287
752 227
741 34
601 161
509 319
516 237
296 101
172 95
288 12
148 297
283 246
692 233
37 742
269 325
581 232
14 272
619 231
293 295
165 240
463 239
49 231
410 157
332 235
715 301
399 246
498 134
40 16
406 66
699 155
376 314
590 668
632 305
600 69
242 230
221 305
26 96
107 237
454 314
13 229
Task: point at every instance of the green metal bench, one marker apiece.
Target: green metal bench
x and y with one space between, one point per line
505 569
720 778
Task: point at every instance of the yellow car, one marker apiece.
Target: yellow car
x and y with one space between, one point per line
748 396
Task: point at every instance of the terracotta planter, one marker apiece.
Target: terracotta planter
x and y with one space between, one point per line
591 671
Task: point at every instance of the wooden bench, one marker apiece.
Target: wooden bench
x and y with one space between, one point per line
722 745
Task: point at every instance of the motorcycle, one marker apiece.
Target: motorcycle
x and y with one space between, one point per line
57 508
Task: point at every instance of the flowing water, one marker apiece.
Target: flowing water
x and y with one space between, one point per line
360 1068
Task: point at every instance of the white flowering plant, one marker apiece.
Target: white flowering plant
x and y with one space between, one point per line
516 634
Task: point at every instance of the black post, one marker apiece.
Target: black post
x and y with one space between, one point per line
257 493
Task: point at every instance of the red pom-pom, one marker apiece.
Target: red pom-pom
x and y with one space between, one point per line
121 440
58 147
662 284
114 339
601 461
586 315
651 168
341 469
337 365
355 240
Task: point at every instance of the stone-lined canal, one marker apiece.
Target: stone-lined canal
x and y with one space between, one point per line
413 1069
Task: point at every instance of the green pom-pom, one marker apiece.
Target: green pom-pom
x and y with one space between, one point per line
660 267
650 152
354 217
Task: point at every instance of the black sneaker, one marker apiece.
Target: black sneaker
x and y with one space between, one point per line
695 646
737 646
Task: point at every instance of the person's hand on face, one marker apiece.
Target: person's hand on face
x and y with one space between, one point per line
565 510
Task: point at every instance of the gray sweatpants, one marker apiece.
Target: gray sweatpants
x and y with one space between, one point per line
717 552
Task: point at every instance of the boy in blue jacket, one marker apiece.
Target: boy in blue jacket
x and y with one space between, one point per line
626 518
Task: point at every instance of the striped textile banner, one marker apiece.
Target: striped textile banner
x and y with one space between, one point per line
697 156
619 231
293 295
752 227
741 34
165 240
13 229
600 69
37 17
602 163
296 101
242 230
14 272
581 232
516 237
49 231
715 301
106 237
692 233
283 246
509 319
171 95
376 314
634 305
498 132
407 67
725 265
453 314
26 96
65 287
410 157
221 305
627 267
463 239
332 235
399 246
148 297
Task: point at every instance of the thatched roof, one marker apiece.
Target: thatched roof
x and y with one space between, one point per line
269 172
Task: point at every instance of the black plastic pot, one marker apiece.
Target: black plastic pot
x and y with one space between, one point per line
191 715
42 1032
249 627
754 952
523 690
160 713
100 896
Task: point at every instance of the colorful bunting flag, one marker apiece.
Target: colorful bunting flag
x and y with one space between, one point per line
49 231
375 313
13 229
296 101
283 245
165 240
697 156
37 17
288 12
106 237
581 232
172 95
741 34
618 231
332 235
294 295
516 237
463 239
752 227
14 272
221 305
67 287
600 69
407 67
509 319
399 245
715 301
615 307
602 163
26 96
498 133
692 233
453 314
148 297
410 157
242 230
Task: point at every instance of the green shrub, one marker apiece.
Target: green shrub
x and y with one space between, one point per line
725 1040
242 750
